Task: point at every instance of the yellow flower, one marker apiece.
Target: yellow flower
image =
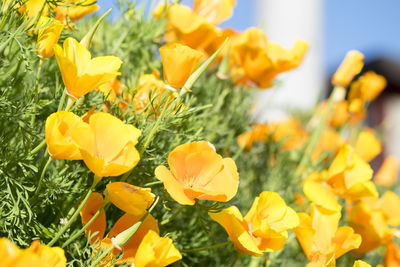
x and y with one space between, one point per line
388 173
263 229
367 87
197 171
348 69
188 28
48 37
130 249
129 198
98 226
32 9
289 132
259 133
389 204
107 145
318 192
74 9
179 61
58 131
260 60
367 220
81 74
330 141
368 145
156 251
214 11
35 255
360 263
349 176
321 238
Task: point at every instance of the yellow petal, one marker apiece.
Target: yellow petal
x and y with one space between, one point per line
388 172
320 194
214 11
360 263
93 204
345 240
129 198
350 67
49 256
368 145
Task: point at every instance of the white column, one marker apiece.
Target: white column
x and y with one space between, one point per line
284 21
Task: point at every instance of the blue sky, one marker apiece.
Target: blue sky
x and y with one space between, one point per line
371 26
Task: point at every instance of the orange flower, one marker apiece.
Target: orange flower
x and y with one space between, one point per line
130 249
214 11
74 9
132 199
349 176
360 263
259 133
348 69
388 173
35 255
98 226
33 8
367 87
263 229
107 145
330 141
392 255
179 61
290 132
321 238
151 90
368 145
261 60
58 129
188 28
156 251
82 74
197 171
48 37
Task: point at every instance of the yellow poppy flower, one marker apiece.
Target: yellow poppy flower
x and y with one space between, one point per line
389 204
368 221
214 11
74 9
367 87
348 69
129 198
107 145
349 176
93 204
188 28
156 251
58 133
392 255
197 171
388 172
80 73
290 131
321 238
35 255
263 229
130 249
368 145
151 90
259 133
318 192
48 37
32 9
179 61
261 60
330 141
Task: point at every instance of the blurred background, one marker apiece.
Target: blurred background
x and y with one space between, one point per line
332 28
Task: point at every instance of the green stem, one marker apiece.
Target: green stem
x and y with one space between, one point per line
74 216
235 259
102 256
206 248
36 89
173 216
152 183
239 152
316 134
77 234
38 147
62 100
39 186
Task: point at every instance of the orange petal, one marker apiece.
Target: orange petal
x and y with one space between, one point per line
93 204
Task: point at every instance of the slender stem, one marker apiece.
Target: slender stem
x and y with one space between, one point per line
239 152
173 216
62 100
152 183
73 218
39 185
36 89
77 234
316 134
207 248
237 256
38 147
